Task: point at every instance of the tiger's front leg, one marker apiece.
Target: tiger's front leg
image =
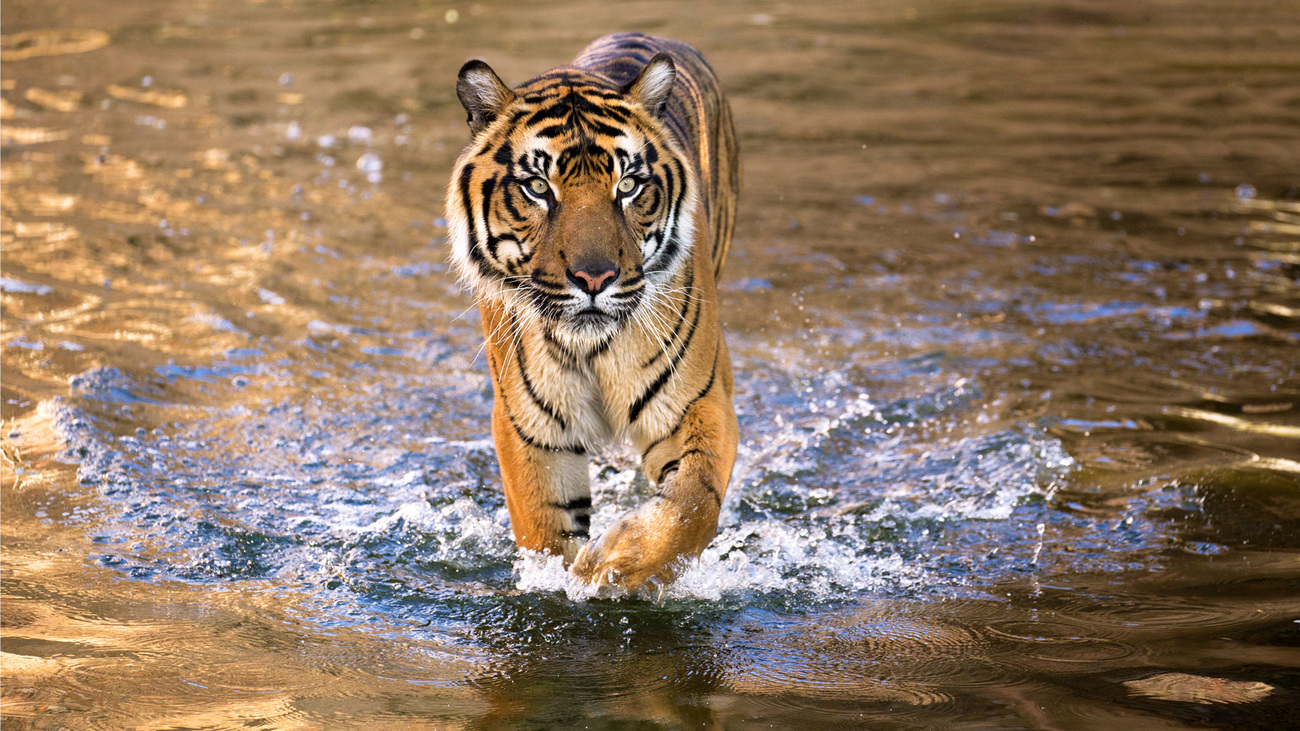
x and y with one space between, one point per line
692 468
544 475
548 492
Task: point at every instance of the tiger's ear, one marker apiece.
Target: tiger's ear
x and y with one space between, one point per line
482 93
654 84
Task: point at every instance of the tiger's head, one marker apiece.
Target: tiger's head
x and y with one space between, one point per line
573 204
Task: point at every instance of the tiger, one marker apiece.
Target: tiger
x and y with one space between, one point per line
590 215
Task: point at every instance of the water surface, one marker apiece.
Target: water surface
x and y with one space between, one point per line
1013 307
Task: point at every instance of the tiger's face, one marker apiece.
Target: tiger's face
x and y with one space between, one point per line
572 204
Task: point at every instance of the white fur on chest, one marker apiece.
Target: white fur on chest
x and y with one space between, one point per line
593 401
568 401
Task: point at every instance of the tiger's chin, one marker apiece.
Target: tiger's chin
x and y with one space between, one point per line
590 328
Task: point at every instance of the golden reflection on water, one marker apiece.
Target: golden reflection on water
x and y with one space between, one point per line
50 42
181 180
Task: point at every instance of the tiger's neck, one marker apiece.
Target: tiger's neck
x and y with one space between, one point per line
568 392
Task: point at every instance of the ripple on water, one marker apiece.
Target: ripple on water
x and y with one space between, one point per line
1147 614
1055 645
866 657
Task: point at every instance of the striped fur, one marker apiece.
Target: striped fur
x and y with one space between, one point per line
591 213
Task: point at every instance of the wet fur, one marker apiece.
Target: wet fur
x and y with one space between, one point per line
642 360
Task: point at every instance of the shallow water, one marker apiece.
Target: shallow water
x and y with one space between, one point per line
1013 307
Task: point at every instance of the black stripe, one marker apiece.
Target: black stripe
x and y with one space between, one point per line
671 466
539 162
653 198
537 444
713 489
600 349
681 317
561 354
602 128
669 183
475 251
666 252
488 186
578 503
509 200
677 199
503 153
547 113
552 131
539 280
532 392
534 443
650 393
494 244
682 419
627 293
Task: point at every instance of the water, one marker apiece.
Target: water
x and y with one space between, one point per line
1013 310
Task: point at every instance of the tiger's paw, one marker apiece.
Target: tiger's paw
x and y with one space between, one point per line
646 548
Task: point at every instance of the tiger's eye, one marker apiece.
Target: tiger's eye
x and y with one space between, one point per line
626 185
538 186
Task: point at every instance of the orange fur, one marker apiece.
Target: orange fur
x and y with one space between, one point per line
591 213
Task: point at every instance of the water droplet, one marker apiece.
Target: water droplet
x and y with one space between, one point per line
1245 191
360 134
370 163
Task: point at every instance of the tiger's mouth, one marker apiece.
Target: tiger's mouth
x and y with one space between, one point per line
593 319
580 315
591 314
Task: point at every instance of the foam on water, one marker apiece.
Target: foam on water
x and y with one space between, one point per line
835 496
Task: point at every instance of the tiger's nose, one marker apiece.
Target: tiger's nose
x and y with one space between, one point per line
594 280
